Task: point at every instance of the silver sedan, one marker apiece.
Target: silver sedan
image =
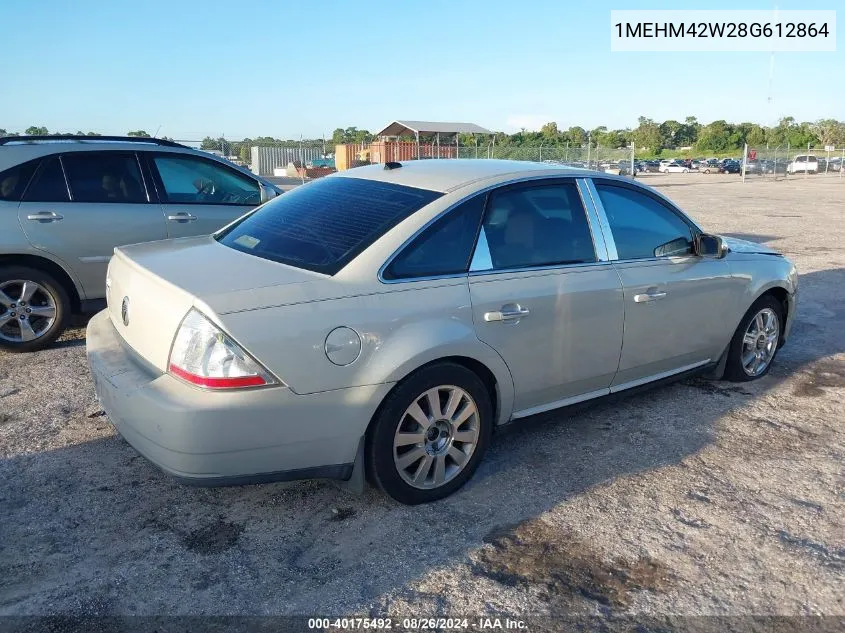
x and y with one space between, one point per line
388 319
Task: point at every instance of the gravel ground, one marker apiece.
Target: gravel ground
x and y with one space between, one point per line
697 498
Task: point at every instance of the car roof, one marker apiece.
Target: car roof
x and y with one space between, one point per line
449 174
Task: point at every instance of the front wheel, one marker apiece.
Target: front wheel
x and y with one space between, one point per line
430 434
755 343
33 309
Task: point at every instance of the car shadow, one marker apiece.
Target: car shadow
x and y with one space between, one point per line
93 528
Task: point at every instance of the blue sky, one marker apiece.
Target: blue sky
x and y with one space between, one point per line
249 68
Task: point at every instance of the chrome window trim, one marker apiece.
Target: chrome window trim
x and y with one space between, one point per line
610 242
484 190
593 221
59 157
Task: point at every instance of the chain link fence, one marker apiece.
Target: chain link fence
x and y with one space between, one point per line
785 162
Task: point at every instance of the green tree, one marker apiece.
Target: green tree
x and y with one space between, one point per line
718 136
34 130
139 133
550 132
756 136
830 132
577 136
647 135
210 143
245 152
670 134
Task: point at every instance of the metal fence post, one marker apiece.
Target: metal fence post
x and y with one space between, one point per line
807 162
744 161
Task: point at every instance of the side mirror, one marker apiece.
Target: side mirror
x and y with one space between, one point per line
267 193
710 246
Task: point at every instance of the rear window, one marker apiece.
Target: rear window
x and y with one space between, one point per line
323 225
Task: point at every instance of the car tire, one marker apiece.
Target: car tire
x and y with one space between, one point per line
741 368
45 296
686 171
409 470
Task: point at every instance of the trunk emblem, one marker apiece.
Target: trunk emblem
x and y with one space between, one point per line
124 311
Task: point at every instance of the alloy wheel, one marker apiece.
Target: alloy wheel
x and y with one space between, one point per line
436 437
760 342
27 310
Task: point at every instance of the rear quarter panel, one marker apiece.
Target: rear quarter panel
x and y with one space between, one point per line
401 329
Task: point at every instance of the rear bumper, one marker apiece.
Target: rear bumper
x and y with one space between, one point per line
213 438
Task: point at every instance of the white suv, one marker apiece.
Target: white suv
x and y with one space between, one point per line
67 201
803 163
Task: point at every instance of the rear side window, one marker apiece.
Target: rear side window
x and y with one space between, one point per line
444 248
104 177
13 181
323 225
537 225
48 184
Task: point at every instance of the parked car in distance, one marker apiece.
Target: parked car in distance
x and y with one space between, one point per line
651 166
387 319
835 164
803 163
67 201
774 166
711 165
623 168
730 167
676 168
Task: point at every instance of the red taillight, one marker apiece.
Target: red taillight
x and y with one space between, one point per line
217 383
203 355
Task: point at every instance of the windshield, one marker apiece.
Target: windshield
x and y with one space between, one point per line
323 225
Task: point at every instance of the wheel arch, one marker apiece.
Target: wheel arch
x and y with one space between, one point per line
499 389
781 294
52 268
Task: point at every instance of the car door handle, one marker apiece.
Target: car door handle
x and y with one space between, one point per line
652 295
507 313
181 217
45 216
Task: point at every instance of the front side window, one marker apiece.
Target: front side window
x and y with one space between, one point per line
444 248
323 225
104 177
190 180
13 181
642 227
537 225
48 184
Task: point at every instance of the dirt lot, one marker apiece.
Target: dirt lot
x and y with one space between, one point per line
697 498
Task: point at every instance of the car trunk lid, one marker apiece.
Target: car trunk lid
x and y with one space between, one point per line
152 286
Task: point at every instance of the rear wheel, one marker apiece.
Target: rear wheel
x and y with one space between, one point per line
430 434
33 309
755 342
